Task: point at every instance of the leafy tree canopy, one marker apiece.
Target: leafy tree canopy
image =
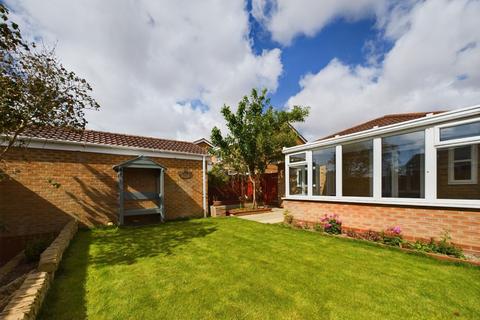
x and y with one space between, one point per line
257 134
35 88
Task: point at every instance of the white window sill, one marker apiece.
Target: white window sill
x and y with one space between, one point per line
446 203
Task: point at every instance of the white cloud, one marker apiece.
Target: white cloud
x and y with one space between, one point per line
152 62
433 65
286 19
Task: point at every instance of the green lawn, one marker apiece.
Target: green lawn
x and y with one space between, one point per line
236 269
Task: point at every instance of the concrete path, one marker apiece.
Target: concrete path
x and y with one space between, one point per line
275 216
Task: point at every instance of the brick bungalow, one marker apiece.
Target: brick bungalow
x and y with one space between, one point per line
418 171
98 178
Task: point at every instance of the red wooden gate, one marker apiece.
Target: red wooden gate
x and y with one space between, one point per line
270 188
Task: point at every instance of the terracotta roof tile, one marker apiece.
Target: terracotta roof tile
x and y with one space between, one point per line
113 139
381 122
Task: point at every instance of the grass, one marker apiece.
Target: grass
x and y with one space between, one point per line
236 269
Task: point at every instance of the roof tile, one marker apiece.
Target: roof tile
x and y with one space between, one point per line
113 139
382 122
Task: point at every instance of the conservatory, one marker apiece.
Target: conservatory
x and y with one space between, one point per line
428 165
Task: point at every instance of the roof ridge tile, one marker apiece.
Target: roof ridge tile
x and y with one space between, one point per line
112 138
382 121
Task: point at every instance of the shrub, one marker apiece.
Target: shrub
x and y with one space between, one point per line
371 235
392 236
318 227
287 217
34 249
352 234
331 224
419 246
445 246
304 226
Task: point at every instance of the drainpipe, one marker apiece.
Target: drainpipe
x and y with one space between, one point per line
204 182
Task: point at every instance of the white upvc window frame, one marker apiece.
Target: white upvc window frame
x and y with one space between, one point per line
473 165
452 144
297 153
375 158
313 168
428 162
432 144
455 142
298 164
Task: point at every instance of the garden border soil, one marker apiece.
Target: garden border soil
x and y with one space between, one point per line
27 300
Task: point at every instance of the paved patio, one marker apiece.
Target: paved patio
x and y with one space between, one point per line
275 216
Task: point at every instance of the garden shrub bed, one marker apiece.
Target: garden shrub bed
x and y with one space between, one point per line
442 249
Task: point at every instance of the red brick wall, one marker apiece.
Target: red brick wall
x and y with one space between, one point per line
30 202
416 222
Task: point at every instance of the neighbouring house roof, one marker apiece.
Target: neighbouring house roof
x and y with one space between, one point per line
204 141
113 139
381 122
299 135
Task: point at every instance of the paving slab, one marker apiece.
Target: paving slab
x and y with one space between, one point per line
274 216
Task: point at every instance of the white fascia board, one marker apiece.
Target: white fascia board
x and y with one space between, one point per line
406 125
203 140
444 203
42 143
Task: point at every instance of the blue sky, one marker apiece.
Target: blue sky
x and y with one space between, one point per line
165 68
341 39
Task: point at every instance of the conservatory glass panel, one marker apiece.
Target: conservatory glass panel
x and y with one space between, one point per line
403 165
357 169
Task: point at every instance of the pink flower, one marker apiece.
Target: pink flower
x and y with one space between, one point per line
397 230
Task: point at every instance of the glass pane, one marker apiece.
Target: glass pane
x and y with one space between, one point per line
357 169
403 165
462 153
323 165
298 180
297 157
462 170
457 179
461 131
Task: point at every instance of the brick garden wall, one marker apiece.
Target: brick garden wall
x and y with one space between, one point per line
45 189
416 222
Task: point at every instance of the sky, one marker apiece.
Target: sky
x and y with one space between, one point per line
165 68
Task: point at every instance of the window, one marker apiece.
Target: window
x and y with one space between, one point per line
298 180
435 162
357 169
462 165
457 170
460 131
403 165
297 157
323 166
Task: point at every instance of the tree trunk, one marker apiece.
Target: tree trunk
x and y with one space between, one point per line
12 140
254 196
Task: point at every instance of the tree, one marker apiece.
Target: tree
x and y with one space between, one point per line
257 134
35 88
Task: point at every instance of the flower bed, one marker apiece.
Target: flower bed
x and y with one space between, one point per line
26 301
442 249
